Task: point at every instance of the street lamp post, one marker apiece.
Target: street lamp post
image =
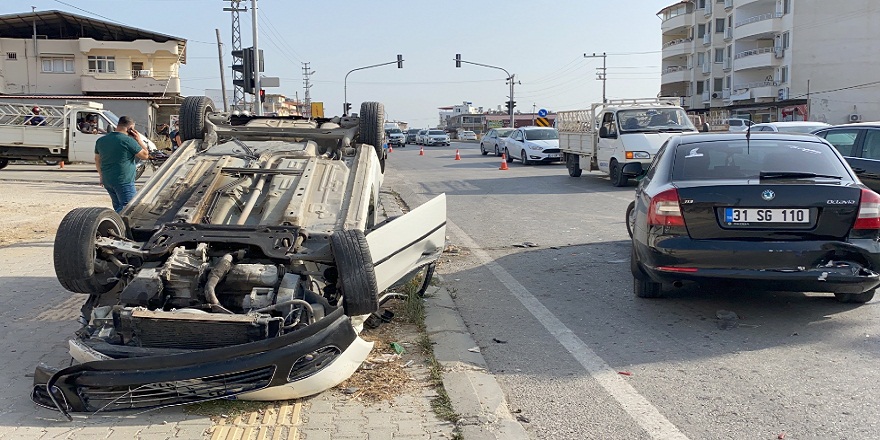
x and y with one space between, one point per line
511 78
345 105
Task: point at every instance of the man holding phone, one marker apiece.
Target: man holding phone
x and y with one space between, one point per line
116 156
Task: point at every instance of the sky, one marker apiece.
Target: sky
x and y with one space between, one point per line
542 42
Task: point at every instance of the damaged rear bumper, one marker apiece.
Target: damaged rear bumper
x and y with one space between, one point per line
298 364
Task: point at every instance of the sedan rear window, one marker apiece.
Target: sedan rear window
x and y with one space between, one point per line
736 160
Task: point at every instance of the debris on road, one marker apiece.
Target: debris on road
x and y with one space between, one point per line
781 435
350 390
525 244
727 319
522 418
498 341
624 373
397 348
474 349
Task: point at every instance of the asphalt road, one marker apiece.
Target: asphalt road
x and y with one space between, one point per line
558 323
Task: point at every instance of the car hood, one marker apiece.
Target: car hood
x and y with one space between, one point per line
545 143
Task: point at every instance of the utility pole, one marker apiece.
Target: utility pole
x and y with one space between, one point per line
534 105
307 97
601 72
346 106
222 76
258 104
238 96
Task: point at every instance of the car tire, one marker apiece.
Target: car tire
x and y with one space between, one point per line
507 156
4 163
855 298
574 168
522 158
497 152
643 286
630 218
192 116
617 177
370 131
357 276
77 264
50 162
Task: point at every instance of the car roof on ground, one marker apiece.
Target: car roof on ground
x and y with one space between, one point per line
693 138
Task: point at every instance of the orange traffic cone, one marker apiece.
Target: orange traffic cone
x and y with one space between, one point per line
390 148
457 156
503 162
61 164
422 151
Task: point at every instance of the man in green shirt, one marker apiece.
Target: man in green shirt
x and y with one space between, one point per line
116 155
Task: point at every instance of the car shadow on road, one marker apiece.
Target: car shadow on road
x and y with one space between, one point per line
505 182
588 287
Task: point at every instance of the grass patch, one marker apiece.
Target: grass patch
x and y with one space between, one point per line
226 408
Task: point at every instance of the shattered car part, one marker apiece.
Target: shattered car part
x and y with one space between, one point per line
244 268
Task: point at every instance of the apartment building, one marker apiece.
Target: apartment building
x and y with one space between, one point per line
774 59
48 57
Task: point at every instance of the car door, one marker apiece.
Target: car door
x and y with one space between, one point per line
607 144
82 145
408 242
515 144
869 159
490 140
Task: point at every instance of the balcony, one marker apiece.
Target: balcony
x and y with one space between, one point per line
707 38
728 34
728 5
677 48
675 74
708 10
707 97
707 68
140 85
727 64
685 20
769 91
760 24
760 58
725 94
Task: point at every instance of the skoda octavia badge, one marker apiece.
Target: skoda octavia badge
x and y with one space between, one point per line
768 195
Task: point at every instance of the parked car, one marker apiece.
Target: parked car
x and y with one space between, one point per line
395 137
222 280
467 136
436 137
737 124
420 138
860 145
789 126
533 144
412 135
493 141
786 206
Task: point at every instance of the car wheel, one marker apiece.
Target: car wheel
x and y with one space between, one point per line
370 131
507 156
856 298
3 163
497 152
522 157
617 177
574 168
357 277
50 162
630 218
79 266
646 288
192 116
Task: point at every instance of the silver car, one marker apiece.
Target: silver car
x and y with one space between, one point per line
493 141
437 137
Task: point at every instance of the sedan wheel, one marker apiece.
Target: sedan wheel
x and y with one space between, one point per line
522 157
507 156
483 150
630 218
497 153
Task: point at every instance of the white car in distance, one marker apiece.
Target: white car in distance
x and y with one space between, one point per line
467 136
790 126
436 137
533 144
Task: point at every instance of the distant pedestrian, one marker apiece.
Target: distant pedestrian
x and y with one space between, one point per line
175 138
116 156
35 118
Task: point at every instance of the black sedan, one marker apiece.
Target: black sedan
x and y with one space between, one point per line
772 212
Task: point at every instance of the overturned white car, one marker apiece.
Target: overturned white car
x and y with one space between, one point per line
241 269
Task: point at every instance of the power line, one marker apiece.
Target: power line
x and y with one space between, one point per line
857 86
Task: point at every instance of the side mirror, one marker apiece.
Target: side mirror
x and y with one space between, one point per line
603 133
632 169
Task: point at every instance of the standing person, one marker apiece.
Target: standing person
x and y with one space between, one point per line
35 118
116 156
175 138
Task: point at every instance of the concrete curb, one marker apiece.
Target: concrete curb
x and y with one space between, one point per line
474 393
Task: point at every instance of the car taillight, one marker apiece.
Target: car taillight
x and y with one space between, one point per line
665 210
869 211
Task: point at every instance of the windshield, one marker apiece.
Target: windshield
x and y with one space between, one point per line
436 132
736 160
394 131
654 120
416 131
112 117
504 133
541 134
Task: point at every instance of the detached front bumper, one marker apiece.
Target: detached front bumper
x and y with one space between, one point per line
295 365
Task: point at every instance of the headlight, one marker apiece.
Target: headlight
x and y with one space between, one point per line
536 147
638 155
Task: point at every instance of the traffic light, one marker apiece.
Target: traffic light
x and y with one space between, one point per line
262 95
399 61
510 106
458 60
346 107
246 68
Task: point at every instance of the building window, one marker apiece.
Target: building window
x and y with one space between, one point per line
700 87
11 56
719 56
701 30
783 75
57 65
102 64
719 84
727 82
701 59
719 25
701 4
786 7
786 40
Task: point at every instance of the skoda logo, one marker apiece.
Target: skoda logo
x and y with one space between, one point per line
768 195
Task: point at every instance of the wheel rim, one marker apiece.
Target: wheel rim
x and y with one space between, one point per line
614 171
107 228
522 157
496 151
631 221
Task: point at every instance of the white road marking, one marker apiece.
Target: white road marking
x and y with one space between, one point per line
640 409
